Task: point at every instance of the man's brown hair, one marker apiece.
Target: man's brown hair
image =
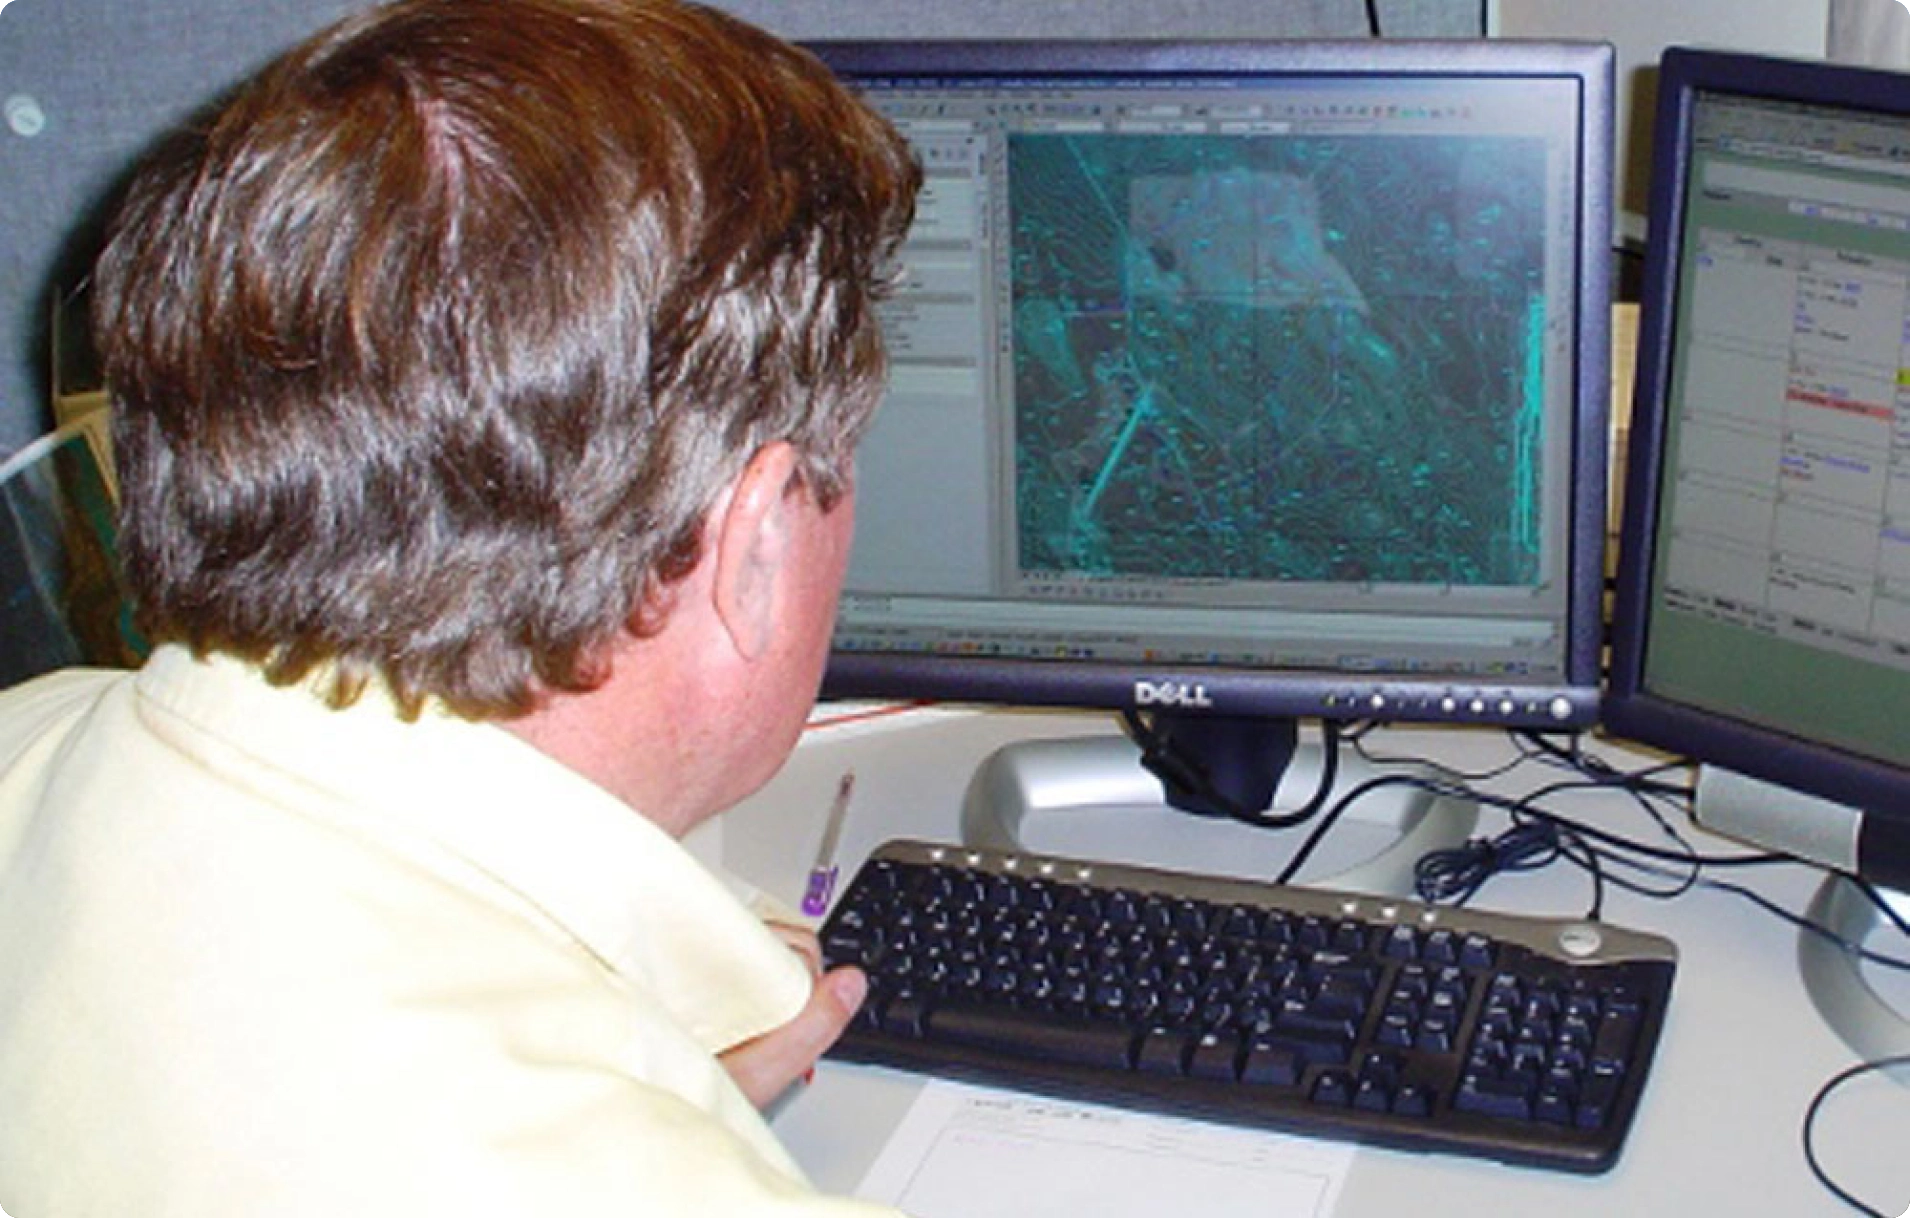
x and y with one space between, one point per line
430 352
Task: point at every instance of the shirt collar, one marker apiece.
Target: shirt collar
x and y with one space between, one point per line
594 869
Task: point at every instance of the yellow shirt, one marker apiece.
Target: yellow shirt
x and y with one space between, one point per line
259 957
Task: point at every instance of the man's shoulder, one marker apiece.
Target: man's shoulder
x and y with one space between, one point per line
47 703
59 686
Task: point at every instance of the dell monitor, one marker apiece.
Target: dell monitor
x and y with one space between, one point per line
1762 613
1239 384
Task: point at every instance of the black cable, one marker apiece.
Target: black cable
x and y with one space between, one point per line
1357 738
1592 848
1454 874
1648 799
1617 841
1883 907
1372 19
1592 766
1595 844
1802 923
1329 773
1810 1121
1592 865
1535 839
1697 862
1332 816
1619 848
1679 883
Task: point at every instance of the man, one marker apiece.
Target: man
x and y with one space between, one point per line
487 376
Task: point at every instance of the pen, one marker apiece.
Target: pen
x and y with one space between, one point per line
822 877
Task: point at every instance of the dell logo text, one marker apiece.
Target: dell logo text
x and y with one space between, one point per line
1170 693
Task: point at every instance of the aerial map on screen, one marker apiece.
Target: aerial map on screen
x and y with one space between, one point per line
1285 359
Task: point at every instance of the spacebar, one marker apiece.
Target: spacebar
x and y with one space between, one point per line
1024 1034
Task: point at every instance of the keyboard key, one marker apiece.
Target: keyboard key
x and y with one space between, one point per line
1333 1088
1612 1049
1271 1063
1215 1056
1493 1096
1007 1030
1162 1051
1413 1100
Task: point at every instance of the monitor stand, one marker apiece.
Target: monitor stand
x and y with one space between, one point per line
1830 835
1092 797
1872 1025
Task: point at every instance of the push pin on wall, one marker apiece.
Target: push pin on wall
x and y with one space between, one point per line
24 115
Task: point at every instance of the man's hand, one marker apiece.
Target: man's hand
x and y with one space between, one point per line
766 1066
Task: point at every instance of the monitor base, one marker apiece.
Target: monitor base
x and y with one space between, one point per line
1834 978
1091 797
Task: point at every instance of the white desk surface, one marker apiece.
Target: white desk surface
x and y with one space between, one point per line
1742 1054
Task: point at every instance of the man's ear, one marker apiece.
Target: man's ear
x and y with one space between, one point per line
753 533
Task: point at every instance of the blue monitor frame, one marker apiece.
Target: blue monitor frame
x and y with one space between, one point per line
1222 691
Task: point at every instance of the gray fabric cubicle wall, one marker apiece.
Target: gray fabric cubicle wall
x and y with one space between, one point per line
87 84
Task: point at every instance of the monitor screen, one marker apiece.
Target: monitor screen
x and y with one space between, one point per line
1762 620
1260 380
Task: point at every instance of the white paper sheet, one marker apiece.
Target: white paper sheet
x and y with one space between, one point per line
967 1152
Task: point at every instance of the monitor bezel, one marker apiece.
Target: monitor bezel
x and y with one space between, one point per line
1501 700
1632 711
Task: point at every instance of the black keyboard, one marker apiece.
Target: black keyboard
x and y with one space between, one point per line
1378 1020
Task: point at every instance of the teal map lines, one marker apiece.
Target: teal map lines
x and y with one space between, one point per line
1230 366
